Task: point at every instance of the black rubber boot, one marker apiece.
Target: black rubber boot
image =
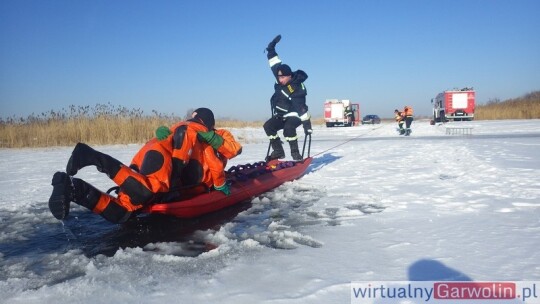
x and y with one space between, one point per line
295 153
88 196
85 194
83 156
61 196
278 152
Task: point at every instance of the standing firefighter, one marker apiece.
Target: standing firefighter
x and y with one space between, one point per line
400 122
289 109
408 116
349 113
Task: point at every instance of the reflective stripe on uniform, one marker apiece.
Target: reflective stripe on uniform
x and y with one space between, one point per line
291 114
291 138
273 61
305 117
281 109
286 95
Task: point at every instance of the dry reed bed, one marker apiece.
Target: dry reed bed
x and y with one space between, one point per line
525 107
99 125
95 131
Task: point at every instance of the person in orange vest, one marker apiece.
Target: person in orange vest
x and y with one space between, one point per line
149 177
400 122
408 116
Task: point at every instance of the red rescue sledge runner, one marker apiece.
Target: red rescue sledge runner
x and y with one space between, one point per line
248 181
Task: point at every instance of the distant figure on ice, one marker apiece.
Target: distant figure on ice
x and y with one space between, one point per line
408 116
154 171
349 113
400 122
288 103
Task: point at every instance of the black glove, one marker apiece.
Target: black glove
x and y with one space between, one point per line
271 48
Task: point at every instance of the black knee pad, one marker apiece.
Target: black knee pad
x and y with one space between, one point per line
178 137
152 162
136 191
115 213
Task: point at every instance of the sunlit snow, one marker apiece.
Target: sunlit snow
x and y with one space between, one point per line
373 206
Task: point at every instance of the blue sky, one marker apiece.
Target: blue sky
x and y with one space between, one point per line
171 56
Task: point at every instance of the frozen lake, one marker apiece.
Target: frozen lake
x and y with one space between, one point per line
373 206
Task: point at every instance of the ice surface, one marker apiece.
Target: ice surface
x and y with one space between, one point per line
373 206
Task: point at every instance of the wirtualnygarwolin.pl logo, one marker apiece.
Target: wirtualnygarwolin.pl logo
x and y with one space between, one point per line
498 292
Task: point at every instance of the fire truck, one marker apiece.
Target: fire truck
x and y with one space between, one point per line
454 105
341 113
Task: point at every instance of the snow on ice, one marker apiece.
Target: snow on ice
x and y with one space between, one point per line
373 206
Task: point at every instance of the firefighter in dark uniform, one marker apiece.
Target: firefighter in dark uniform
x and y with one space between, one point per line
400 121
349 113
289 109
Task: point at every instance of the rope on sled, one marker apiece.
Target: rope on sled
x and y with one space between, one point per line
239 172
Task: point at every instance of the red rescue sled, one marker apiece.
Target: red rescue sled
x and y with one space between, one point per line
247 181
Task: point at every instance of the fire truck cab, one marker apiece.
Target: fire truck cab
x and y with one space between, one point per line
341 113
454 105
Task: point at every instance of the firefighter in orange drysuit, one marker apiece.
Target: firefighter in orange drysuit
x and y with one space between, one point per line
206 163
408 116
154 169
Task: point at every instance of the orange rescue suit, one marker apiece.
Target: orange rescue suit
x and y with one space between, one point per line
160 166
196 161
214 162
153 169
407 111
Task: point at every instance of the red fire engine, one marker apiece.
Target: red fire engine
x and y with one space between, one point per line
454 105
341 113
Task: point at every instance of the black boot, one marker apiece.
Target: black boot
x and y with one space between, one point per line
61 196
85 194
83 156
295 153
278 149
88 196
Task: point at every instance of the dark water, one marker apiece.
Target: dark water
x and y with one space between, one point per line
93 235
